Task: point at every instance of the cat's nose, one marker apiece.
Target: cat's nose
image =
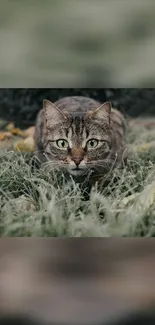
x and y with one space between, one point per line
77 159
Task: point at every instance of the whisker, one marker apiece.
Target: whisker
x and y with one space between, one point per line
104 163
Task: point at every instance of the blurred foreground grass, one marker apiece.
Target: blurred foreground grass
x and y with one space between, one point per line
38 202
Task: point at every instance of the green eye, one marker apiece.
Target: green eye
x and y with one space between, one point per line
62 144
92 143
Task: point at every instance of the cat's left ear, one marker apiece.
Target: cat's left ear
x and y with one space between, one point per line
53 115
102 112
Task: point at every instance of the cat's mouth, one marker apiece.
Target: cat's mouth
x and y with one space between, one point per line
76 171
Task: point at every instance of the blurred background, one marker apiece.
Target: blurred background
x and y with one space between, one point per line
84 281
87 43
22 105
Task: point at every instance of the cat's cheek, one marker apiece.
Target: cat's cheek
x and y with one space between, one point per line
68 160
91 156
86 159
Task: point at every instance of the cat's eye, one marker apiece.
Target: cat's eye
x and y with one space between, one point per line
92 143
62 144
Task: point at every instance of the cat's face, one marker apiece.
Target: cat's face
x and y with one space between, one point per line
80 143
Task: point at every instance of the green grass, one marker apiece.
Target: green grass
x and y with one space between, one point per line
37 202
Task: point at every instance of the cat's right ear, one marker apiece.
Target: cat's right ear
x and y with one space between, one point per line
102 112
53 114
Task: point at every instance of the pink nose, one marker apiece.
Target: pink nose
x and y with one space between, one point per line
77 159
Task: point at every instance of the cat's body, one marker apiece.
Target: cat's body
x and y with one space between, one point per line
80 134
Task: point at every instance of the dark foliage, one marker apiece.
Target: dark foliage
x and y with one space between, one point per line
137 319
22 105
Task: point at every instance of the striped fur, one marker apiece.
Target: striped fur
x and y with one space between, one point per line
78 119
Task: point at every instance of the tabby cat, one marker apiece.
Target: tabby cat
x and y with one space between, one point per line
81 135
